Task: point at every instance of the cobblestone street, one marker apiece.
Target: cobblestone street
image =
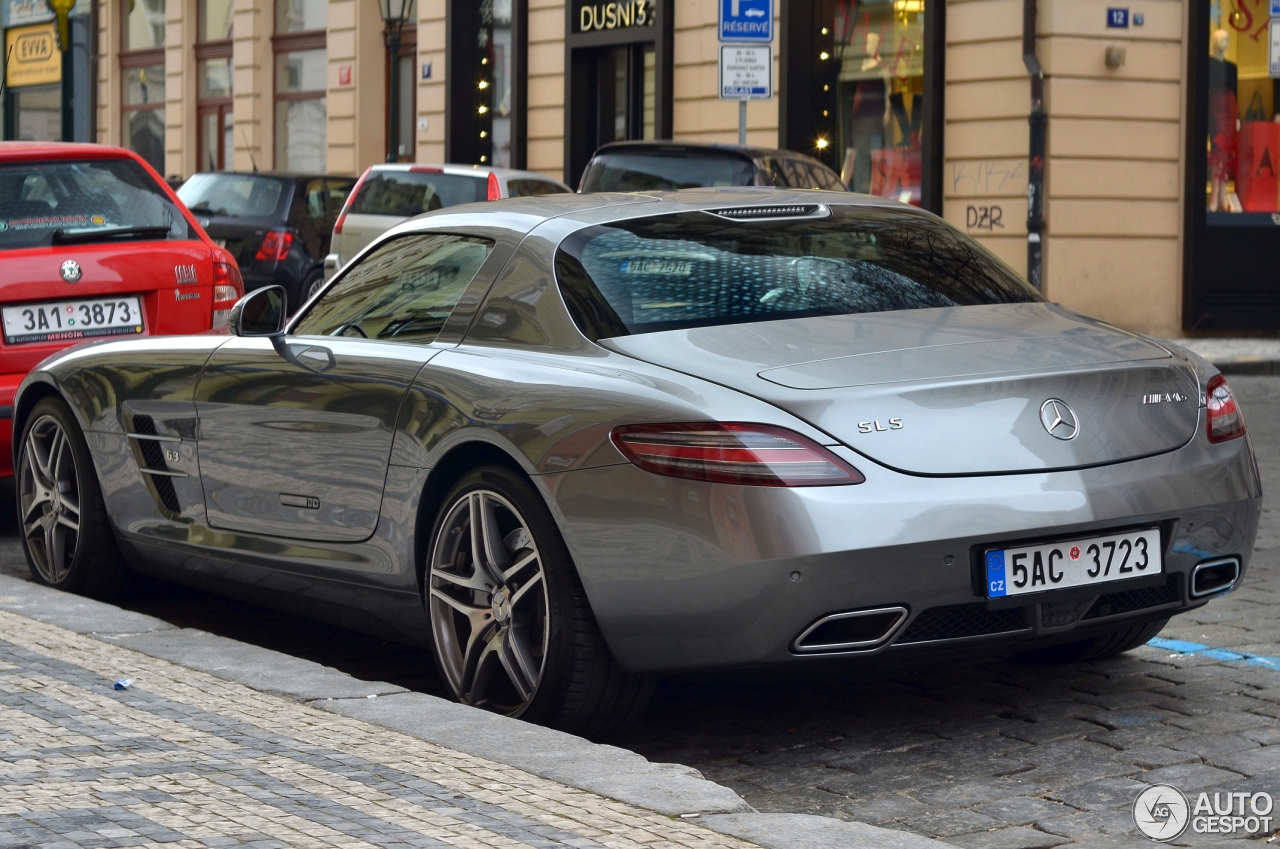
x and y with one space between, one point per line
982 752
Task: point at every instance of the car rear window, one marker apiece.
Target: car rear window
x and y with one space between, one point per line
533 188
405 194
39 199
662 171
233 195
699 269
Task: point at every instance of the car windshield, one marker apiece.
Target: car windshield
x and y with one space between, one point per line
95 200
699 269
233 195
664 171
405 194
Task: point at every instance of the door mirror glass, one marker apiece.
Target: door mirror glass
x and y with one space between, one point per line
259 313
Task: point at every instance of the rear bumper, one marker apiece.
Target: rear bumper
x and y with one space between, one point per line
686 575
8 388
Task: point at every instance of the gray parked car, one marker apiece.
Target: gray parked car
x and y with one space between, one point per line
573 441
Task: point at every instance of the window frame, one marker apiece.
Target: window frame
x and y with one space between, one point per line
220 106
292 42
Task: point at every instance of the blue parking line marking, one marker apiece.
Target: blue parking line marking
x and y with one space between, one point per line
1183 647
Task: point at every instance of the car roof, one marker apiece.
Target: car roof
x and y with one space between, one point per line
277 175
25 151
522 215
676 146
469 170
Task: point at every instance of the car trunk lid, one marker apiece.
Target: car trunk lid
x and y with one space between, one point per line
953 391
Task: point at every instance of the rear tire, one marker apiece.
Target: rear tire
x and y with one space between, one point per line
512 631
1122 639
66 534
313 283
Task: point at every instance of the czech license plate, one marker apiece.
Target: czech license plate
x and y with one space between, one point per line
69 320
1074 563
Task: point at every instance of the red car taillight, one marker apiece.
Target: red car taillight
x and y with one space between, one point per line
275 245
733 452
495 190
228 287
1223 418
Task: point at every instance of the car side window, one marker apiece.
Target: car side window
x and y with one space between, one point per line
338 191
777 173
315 200
401 292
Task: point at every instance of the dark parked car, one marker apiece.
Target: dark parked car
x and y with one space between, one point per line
640 166
277 226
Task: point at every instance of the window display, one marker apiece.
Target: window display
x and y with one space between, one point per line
1243 142
879 53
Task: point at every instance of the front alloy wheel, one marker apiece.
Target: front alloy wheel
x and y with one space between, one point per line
49 498
489 603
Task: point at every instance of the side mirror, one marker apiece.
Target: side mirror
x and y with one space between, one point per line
259 313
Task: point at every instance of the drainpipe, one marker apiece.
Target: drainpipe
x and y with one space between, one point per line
1035 170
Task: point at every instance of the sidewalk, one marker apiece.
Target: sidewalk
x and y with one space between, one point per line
1237 356
221 744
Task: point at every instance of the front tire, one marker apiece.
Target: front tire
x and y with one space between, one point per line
66 534
512 630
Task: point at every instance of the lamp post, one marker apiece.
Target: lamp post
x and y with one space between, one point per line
62 10
395 13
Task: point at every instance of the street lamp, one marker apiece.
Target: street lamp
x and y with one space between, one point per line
395 13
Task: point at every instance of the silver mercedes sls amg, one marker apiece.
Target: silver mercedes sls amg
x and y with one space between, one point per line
568 443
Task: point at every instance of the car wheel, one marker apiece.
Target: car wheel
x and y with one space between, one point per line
1119 641
512 630
314 283
65 530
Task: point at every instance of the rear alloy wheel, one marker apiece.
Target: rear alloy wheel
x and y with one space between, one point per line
65 531
311 286
511 627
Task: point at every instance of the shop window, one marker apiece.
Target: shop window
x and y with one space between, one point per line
1241 106
857 87
142 76
216 133
301 116
486 116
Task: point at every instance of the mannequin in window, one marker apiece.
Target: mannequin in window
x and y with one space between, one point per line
870 112
1224 120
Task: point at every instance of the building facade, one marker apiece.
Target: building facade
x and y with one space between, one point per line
1161 197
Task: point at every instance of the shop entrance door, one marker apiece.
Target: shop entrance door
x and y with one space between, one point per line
615 91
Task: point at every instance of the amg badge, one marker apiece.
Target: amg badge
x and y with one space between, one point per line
1163 398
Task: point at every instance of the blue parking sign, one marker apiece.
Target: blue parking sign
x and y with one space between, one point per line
746 20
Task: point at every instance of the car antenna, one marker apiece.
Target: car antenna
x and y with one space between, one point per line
245 138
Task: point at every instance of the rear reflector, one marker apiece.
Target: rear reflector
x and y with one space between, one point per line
733 452
1222 414
495 190
275 245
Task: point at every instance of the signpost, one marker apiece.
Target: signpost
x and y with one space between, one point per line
746 59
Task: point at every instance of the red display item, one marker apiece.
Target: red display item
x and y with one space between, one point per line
181 285
1257 181
895 172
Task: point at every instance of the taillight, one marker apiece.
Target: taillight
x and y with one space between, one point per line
495 191
346 205
275 245
733 452
228 286
1223 418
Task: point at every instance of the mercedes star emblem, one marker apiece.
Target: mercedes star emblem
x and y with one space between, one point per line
1059 419
71 271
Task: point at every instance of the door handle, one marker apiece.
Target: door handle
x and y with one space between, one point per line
315 358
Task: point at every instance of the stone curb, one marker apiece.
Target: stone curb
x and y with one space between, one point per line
670 789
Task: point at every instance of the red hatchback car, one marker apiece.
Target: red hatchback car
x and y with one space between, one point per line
93 243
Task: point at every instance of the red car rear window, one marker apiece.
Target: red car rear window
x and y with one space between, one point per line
95 200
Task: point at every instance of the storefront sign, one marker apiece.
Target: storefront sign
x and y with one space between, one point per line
34 58
746 71
1274 50
622 14
746 20
16 13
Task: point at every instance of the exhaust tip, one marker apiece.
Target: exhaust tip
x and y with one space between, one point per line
1214 576
851 630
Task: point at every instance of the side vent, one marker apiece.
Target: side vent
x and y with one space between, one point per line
154 465
770 213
